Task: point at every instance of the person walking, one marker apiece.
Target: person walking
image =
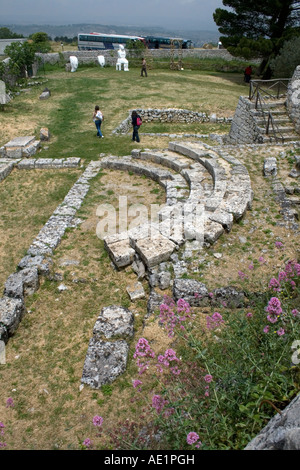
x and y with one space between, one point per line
135 126
247 74
144 67
98 118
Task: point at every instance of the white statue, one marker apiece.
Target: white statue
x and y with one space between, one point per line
101 60
74 63
121 59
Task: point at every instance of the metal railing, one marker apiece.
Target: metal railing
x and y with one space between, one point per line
262 90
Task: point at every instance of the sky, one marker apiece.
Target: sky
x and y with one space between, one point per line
180 14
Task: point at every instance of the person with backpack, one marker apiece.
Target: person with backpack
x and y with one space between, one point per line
98 118
136 123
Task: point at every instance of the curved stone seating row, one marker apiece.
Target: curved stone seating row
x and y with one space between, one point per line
209 190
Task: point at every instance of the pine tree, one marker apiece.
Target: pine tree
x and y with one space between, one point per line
258 28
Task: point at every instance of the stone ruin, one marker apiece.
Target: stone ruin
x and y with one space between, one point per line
191 174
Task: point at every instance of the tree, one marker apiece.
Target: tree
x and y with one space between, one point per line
21 57
284 64
6 33
258 28
41 41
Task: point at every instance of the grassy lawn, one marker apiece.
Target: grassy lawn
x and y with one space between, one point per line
44 358
68 113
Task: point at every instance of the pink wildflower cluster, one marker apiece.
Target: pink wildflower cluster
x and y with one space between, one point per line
288 276
142 353
172 315
2 444
279 245
10 403
242 275
87 443
193 438
166 360
97 421
158 402
273 309
214 321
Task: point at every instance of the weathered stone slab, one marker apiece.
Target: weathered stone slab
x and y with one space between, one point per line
22 283
114 321
192 291
42 264
120 251
27 164
270 167
152 249
282 432
11 313
104 362
135 291
5 170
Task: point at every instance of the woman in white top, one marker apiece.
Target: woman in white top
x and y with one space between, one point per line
98 118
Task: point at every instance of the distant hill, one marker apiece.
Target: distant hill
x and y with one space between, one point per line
198 37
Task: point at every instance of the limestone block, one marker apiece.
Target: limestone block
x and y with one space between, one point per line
135 291
114 321
42 264
153 249
44 134
72 162
192 291
282 432
5 170
121 252
31 149
11 313
104 362
270 167
27 164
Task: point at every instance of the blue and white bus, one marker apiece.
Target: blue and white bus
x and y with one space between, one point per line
155 42
99 41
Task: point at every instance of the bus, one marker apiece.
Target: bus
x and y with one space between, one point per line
154 42
99 41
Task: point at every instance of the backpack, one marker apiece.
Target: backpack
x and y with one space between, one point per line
99 116
139 121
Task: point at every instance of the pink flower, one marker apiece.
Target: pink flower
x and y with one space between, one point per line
249 315
279 245
251 266
261 259
214 321
280 332
97 421
87 442
158 402
208 378
266 329
274 309
136 383
10 403
192 437
242 275
295 312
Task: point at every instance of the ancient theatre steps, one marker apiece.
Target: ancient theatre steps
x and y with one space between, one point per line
206 191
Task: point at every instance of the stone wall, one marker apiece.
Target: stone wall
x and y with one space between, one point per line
90 57
293 99
168 115
244 129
